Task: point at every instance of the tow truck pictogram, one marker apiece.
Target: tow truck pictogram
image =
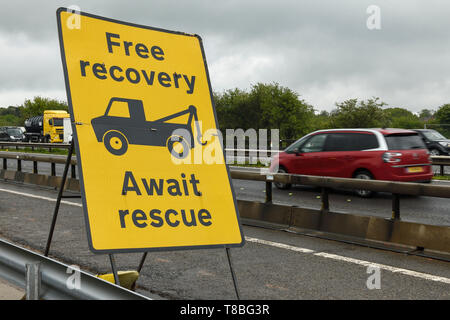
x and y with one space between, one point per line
118 132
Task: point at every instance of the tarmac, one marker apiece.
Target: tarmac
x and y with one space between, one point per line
9 291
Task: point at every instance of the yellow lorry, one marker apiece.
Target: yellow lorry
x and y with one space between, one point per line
48 127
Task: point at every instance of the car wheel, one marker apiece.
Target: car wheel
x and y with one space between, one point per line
364 174
115 142
178 147
282 186
435 152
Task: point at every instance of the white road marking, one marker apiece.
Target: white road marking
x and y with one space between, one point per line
364 263
407 272
41 197
279 245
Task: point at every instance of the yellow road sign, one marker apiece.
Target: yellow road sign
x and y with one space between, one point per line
150 158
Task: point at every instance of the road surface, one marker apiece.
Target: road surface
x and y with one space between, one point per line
271 265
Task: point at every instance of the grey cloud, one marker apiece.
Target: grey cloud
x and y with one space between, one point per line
321 49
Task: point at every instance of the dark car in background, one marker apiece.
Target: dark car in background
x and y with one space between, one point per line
381 154
435 142
13 134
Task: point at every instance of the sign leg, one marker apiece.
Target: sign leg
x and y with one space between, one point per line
139 268
58 200
114 269
141 264
230 263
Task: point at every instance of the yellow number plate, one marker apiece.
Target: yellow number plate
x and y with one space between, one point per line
414 169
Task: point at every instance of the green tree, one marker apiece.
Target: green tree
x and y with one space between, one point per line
442 117
9 120
10 116
281 108
38 105
426 114
322 120
402 118
359 114
265 106
229 108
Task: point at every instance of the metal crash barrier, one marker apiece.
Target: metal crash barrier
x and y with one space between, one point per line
47 279
351 227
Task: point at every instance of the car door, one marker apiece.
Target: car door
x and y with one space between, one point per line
343 152
306 159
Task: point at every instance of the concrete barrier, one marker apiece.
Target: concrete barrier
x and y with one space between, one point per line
40 179
356 228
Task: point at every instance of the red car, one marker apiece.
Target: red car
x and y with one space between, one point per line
381 154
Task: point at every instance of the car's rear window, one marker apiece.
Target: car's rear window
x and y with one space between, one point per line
404 142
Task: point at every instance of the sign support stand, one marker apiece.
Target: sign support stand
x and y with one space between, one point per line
233 275
58 200
139 268
114 269
141 264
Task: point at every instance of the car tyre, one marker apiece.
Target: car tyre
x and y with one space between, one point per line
434 152
282 186
364 174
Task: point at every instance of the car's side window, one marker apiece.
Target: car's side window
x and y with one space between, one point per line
294 147
346 141
314 144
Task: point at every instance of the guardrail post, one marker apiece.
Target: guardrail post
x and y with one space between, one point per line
35 167
19 165
442 170
5 163
269 179
33 281
325 202
395 206
268 191
73 172
53 169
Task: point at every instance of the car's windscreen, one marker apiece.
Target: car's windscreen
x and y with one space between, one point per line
14 132
58 121
433 135
294 147
404 142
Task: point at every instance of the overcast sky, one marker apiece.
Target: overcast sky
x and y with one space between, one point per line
321 49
